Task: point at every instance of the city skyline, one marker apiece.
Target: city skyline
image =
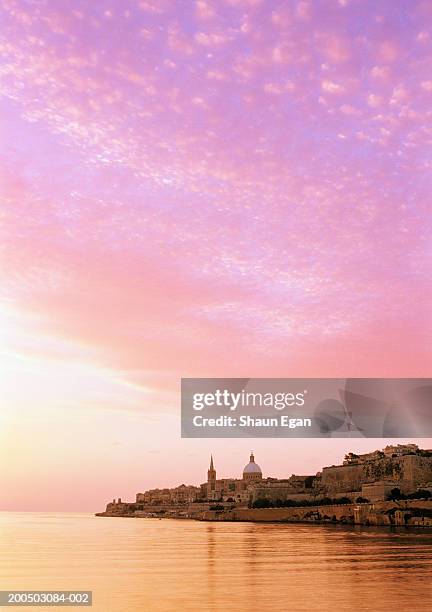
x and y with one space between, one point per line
399 469
206 189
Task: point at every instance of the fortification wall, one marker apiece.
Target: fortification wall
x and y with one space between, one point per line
275 494
420 469
380 513
280 493
409 471
342 513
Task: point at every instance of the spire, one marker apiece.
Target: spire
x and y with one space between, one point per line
252 458
211 472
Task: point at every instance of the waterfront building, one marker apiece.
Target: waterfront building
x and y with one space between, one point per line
370 476
231 489
397 450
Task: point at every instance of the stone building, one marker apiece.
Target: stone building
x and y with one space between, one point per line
397 450
177 495
370 476
408 471
231 489
296 488
377 491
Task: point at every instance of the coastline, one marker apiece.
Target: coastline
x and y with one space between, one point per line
389 487
404 513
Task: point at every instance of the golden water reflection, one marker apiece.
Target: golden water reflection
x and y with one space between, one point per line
163 565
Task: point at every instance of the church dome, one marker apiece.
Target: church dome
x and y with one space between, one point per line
252 467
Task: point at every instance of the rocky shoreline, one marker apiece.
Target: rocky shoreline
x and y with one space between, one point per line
416 513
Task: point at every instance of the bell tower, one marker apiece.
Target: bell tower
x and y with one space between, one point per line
211 481
211 472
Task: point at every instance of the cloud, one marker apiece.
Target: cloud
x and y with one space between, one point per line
178 173
210 39
303 10
388 51
282 54
178 41
336 48
332 87
380 72
423 36
204 10
374 100
149 6
347 109
217 75
273 88
399 95
281 17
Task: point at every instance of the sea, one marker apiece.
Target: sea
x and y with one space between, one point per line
150 565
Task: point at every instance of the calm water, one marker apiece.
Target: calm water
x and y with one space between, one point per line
150 564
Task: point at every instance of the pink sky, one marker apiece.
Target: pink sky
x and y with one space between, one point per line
227 188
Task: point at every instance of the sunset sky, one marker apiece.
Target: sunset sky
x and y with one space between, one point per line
202 188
